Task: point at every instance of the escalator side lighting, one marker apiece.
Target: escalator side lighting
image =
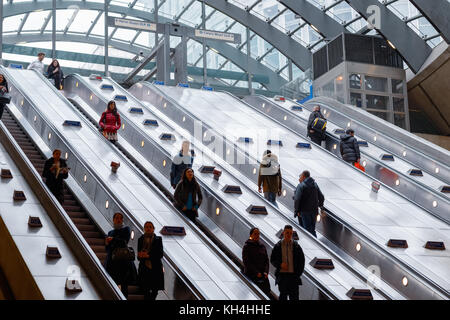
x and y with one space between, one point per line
19 195
296 108
183 85
363 143
173 231
232 189
387 157
245 140
397 243
416 172
207 169
275 142
151 122
207 88
303 145
6 174
322 263
72 123
52 253
257 210
119 97
136 110
281 232
167 136
107 87
445 189
159 83
34 222
360 294
15 66
435 245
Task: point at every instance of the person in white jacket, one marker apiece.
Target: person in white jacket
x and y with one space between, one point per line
38 65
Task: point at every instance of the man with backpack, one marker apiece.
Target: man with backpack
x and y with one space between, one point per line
269 177
317 125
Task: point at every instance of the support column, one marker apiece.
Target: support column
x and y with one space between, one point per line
1 32
205 58
249 71
106 39
155 3
291 74
54 29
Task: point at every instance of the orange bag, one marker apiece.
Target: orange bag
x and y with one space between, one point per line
359 166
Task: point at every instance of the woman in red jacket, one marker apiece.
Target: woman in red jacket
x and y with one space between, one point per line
110 122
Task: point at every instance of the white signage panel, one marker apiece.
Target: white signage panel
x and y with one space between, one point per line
134 24
214 35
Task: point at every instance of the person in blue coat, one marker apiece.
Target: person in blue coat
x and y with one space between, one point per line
150 253
123 272
182 161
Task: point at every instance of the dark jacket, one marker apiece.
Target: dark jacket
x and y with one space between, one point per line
349 148
317 134
5 84
120 271
55 184
299 260
57 76
179 164
152 278
181 195
255 258
308 197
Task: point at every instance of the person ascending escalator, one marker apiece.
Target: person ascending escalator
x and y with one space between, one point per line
317 126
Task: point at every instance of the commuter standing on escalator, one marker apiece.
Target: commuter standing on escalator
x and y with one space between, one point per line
119 267
110 122
183 160
317 126
150 253
349 147
188 195
55 74
256 261
3 89
270 177
288 259
37 64
55 171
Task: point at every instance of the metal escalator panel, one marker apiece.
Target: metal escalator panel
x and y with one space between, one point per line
236 225
199 261
373 218
422 189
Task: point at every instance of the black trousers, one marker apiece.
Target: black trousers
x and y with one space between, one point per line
150 294
288 286
2 107
308 221
191 214
263 284
316 140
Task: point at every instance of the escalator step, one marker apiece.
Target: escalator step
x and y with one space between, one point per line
81 221
98 249
86 227
101 255
91 234
135 297
70 202
95 241
72 208
76 214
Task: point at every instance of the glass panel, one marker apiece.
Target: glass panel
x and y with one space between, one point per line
397 86
80 24
376 84
355 81
382 115
356 99
12 23
377 102
399 104
400 120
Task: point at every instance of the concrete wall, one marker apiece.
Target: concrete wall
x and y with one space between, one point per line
429 90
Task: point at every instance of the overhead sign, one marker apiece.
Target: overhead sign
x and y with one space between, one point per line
214 35
131 24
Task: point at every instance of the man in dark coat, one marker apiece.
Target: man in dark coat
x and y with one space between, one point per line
150 253
288 259
256 261
307 200
349 147
55 171
315 135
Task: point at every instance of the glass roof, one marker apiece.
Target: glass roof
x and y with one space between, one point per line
91 22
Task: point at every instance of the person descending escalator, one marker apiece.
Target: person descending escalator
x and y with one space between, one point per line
4 97
188 195
150 253
182 160
55 74
349 147
110 122
119 258
55 171
317 126
256 261
270 177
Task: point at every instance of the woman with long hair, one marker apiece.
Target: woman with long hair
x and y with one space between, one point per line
54 72
110 122
188 195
